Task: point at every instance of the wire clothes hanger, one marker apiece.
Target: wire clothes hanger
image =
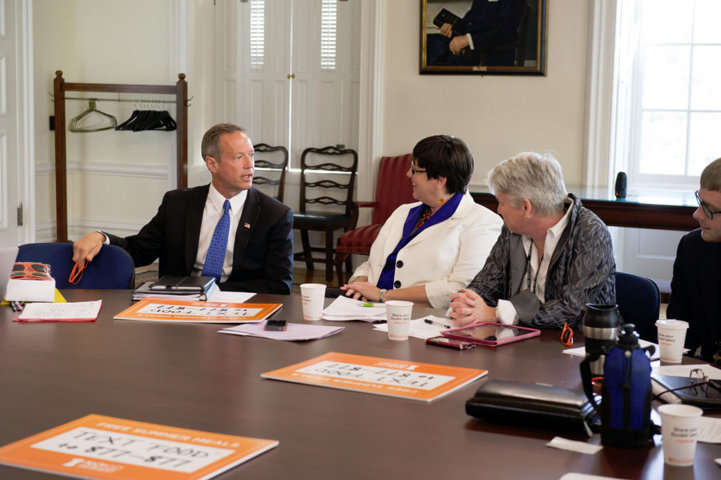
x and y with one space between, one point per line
106 121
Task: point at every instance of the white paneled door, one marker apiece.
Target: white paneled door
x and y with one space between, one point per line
325 62
10 165
648 252
264 70
290 71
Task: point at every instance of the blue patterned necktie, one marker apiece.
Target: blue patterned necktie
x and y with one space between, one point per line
216 252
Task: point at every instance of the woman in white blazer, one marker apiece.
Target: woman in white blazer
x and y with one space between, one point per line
430 249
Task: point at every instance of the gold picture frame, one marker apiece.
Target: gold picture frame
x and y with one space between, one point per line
483 37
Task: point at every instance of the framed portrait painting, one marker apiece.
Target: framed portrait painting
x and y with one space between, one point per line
486 37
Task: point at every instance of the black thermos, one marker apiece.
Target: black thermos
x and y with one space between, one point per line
600 325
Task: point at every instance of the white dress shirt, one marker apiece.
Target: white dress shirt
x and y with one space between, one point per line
211 215
535 275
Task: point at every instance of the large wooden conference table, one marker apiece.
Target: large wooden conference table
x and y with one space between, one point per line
192 377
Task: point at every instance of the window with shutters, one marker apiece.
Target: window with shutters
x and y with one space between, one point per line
329 15
257 33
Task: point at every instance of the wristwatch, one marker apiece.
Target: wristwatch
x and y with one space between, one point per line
381 294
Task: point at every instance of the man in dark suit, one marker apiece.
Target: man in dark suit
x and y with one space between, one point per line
696 284
487 24
226 229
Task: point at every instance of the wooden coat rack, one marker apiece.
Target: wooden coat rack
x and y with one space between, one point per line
180 90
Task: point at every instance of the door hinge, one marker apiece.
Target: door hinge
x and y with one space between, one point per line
20 215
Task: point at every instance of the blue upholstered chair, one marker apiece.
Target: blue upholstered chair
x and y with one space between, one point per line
111 268
639 301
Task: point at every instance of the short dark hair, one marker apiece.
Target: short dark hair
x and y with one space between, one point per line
210 147
445 156
711 176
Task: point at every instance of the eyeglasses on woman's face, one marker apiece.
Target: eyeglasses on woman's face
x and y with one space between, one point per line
415 169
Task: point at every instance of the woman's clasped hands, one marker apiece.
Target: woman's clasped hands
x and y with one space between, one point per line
468 307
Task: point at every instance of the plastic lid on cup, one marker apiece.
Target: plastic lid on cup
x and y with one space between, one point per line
672 324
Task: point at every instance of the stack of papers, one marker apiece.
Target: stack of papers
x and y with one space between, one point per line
219 295
295 331
20 290
344 309
61 312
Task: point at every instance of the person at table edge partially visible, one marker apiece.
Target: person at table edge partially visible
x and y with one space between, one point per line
427 250
247 233
553 255
696 282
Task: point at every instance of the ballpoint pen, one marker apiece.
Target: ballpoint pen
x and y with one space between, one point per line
430 321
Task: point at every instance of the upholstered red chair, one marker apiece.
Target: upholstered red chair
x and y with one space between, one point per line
392 190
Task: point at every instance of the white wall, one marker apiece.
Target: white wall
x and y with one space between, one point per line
104 41
497 116
201 74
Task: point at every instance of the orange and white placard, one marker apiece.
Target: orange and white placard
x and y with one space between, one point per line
100 447
381 376
196 311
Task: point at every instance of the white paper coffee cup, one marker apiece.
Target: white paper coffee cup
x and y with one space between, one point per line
398 313
679 427
671 337
312 295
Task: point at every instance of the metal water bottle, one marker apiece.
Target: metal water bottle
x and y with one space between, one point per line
600 329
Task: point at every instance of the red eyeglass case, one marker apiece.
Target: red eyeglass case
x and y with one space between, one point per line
30 271
30 282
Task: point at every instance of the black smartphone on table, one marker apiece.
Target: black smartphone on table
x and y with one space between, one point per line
275 325
441 341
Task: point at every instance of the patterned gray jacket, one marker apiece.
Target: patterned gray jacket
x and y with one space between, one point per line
582 270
